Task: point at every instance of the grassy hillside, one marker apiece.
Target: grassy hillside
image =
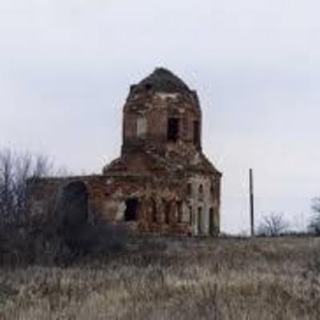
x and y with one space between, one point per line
174 279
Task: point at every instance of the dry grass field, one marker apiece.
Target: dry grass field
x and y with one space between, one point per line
174 279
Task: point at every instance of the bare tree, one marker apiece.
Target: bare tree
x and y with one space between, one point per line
63 234
6 183
16 171
314 225
272 225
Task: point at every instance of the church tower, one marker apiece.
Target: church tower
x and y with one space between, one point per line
161 111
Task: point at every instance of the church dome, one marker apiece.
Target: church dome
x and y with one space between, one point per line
162 80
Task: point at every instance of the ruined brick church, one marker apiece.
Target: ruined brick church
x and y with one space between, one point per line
161 183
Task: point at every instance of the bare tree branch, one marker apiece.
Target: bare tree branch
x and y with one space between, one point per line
6 182
314 225
17 170
272 225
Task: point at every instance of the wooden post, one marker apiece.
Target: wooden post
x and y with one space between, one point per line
251 202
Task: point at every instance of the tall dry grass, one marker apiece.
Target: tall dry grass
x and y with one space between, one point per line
174 279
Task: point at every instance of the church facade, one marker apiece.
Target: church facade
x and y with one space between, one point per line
161 183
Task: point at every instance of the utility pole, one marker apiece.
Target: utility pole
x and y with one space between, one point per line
251 191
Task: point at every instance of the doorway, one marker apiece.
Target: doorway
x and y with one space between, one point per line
132 208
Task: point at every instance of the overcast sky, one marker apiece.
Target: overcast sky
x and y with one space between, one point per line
66 67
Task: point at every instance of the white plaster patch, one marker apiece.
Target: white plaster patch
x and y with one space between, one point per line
165 96
120 211
109 181
196 159
141 127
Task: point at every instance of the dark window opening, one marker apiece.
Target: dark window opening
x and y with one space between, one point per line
196 133
211 188
74 204
180 211
131 212
199 220
190 215
132 87
211 221
189 189
154 210
173 129
200 195
167 211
